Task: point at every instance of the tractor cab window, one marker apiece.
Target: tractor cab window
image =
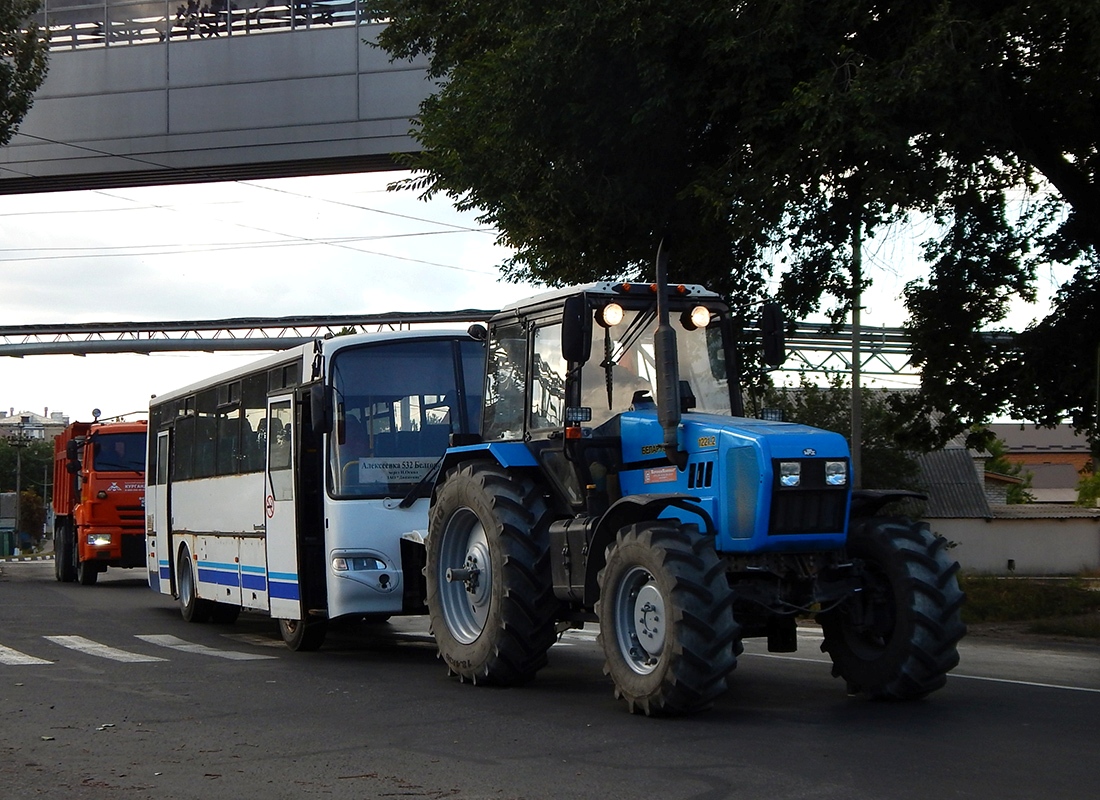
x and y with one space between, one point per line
623 368
548 371
504 383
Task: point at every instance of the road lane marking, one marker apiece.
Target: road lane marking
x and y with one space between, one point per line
15 658
1024 683
87 646
176 643
950 675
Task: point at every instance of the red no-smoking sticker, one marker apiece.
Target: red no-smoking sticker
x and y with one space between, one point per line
269 506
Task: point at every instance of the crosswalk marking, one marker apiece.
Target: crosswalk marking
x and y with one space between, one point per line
14 657
187 647
82 645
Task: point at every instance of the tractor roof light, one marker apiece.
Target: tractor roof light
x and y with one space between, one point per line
698 317
610 315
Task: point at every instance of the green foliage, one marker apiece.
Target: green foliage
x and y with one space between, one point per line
887 463
998 462
23 58
36 460
763 133
991 599
1088 490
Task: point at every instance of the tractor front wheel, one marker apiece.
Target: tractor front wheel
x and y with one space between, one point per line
666 619
895 639
490 592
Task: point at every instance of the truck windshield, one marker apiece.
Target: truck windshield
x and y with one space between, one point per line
119 452
623 363
396 406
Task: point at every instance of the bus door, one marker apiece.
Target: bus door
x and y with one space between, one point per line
280 509
158 521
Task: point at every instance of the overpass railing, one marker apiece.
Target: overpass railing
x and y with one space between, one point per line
74 24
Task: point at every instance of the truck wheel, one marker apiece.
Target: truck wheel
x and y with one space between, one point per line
666 619
490 592
896 638
63 556
192 607
87 572
303 635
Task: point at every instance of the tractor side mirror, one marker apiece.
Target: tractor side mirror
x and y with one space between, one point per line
771 332
576 330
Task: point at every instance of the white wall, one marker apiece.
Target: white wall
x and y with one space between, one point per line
1037 546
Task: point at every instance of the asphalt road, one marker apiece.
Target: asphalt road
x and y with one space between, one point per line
173 710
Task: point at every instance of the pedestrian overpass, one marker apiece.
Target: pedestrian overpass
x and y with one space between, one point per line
153 92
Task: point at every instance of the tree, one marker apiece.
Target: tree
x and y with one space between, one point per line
999 463
23 56
769 132
36 463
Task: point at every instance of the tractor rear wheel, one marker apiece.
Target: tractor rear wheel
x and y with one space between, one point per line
490 592
666 619
896 638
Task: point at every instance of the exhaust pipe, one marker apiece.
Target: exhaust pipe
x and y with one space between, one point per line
668 370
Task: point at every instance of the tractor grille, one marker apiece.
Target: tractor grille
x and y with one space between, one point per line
700 474
809 511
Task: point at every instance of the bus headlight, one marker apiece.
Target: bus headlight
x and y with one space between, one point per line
836 473
790 473
99 539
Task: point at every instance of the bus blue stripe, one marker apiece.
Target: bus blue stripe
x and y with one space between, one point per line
283 591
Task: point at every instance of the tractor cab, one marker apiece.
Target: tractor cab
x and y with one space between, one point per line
567 371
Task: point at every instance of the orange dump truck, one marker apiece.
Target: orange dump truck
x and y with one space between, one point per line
99 499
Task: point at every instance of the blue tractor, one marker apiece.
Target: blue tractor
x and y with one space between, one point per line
616 481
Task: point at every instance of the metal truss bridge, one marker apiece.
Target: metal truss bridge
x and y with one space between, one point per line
811 347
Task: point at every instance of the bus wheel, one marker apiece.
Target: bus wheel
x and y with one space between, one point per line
300 634
192 607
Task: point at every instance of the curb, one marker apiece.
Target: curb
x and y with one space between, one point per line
9 559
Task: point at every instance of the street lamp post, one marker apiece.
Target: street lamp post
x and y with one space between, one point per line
19 442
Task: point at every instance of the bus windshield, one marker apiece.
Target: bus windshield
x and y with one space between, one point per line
119 452
396 406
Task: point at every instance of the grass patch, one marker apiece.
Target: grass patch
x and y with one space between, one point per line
1068 608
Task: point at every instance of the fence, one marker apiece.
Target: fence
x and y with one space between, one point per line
113 23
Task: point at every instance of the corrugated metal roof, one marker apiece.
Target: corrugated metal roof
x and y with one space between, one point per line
951 480
1045 511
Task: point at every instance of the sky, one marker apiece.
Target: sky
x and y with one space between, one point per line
339 244
311 246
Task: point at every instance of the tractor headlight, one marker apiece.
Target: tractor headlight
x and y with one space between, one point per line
99 539
790 473
836 473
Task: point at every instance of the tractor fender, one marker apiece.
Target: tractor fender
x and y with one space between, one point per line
629 511
510 455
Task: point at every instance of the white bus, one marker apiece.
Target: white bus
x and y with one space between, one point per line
298 485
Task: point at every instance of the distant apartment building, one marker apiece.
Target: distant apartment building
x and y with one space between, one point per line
29 425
